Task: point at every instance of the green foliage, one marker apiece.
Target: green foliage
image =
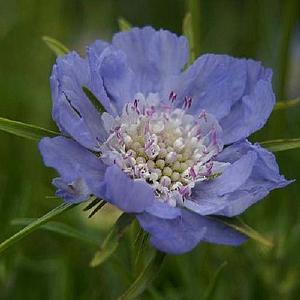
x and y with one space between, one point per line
57 47
93 99
213 283
286 104
60 228
187 30
24 130
111 242
281 144
240 226
124 25
34 225
53 267
145 277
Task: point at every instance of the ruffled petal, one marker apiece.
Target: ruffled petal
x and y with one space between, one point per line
182 234
237 91
131 196
249 114
80 170
253 173
152 55
72 110
214 82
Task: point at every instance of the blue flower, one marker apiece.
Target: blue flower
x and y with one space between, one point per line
172 145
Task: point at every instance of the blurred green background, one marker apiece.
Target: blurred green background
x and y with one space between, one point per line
49 266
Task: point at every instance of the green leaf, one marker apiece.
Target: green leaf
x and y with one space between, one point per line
59 228
27 131
111 242
286 104
214 282
35 225
281 144
124 25
93 99
187 31
57 47
145 277
240 226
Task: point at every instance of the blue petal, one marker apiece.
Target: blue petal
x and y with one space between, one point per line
80 170
163 210
237 91
152 55
249 114
96 53
72 110
213 81
129 195
119 81
182 234
252 175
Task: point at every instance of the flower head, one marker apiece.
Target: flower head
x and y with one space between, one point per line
172 145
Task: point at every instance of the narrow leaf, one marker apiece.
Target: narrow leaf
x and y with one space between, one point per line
57 47
145 277
187 31
124 25
93 99
35 225
214 282
240 226
27 131
281 144
286 104
59 228
111 242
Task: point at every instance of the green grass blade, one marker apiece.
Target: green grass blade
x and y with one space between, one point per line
59 228
286 104
281 144
24 130
57 47
145 277
240 226
111 242
214 282
124 25
187 30
35 225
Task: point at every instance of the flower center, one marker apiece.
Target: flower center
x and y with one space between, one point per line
163 145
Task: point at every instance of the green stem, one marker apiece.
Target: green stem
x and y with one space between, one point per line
289 19
35 225
193 6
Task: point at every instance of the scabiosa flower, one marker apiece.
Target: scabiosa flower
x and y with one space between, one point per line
172 145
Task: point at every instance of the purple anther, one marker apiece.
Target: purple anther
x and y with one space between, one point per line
187 102
172 96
